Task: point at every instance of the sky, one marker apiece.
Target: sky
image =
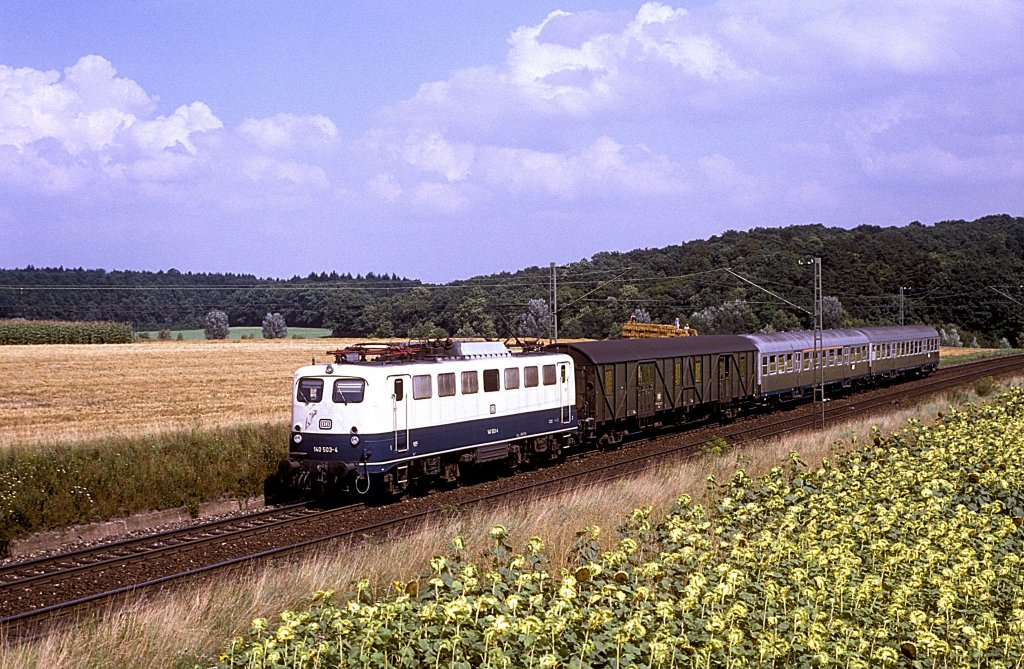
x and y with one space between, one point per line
440 140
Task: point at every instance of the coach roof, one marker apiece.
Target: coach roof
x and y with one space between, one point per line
782 342
623 350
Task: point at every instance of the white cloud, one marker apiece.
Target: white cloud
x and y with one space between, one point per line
443 198
89 126
433 153
166 132
384 187
289 132
88 110
602 170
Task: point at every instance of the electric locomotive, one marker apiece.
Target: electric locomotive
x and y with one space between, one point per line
382 419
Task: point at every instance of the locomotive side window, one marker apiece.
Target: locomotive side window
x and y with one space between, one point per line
491 384
470 383
349 390
530 378
421 387
310 390
511 378
446 385
549 375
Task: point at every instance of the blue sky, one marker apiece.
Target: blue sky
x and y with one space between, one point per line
441 140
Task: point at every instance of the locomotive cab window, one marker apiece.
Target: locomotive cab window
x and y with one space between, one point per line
347 391
310 390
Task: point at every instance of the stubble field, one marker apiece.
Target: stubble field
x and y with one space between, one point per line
80 392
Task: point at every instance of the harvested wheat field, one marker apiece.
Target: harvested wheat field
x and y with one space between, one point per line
81 392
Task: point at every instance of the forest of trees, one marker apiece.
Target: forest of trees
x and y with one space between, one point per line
957 275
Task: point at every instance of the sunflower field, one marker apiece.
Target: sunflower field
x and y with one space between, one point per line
906 553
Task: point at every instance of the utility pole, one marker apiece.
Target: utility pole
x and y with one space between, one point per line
553 285
902 288
819 349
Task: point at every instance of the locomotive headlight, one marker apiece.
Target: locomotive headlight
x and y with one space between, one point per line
297 439
354 440
330 369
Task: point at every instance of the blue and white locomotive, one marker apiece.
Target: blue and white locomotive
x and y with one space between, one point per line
381 419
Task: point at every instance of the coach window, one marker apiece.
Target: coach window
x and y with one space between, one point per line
609 380
310 390
772 365
421 387
698 371
446 385
470 384
491 382
511 378
530 378
549 375
764 366
743 366
349 390
789 362
677 371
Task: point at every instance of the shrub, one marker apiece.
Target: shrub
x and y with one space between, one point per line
65 332
274 326
216 325
165 335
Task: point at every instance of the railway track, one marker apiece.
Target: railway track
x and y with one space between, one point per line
59 590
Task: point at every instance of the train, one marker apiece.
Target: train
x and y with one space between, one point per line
382 420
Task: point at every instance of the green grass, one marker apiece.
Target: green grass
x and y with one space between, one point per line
48 486
246 332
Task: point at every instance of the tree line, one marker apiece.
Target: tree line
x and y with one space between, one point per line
962 276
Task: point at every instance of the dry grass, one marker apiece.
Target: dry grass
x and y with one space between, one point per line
182 627
80 392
